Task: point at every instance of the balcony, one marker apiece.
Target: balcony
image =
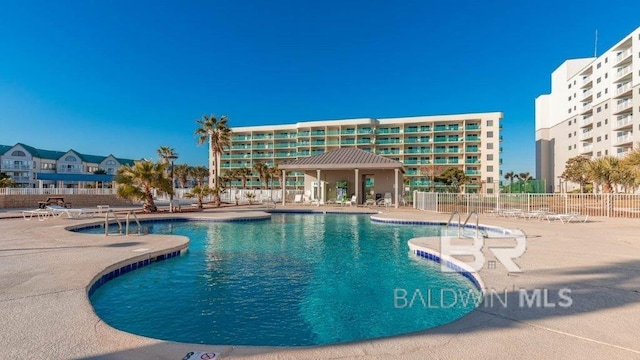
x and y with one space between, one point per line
472 127
585 149
317 152
418 151
304 143
389 131
586 135
411 129
473 138
453 161
587 81
262 156
241 137
348 132
586 121
240 147
304 133
318 133
624 105
473 149
624 121
417 162
304 153
364 141
586 108
440 161
21 179
472 172
16 167
365 131
333 132
623 57
586 95
623 74
348 142
388 152
624 90
472 161
627 138
446 128
623 153
285 136
286 154
317 143
388 141
262 137
411 172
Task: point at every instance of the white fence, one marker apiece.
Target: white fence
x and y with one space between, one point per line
56 191
232 196
608 205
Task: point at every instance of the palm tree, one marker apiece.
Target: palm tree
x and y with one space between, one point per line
510 176
137 182
273 174
199 192
199 173
526 177
165 153
218 134
261 170
243 174
182 173
604 170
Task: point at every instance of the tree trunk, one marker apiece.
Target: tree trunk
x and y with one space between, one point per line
149 206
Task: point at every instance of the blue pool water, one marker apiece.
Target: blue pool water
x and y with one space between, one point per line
290 281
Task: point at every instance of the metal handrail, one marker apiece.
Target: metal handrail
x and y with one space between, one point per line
451 218
106 222
127 223
477 221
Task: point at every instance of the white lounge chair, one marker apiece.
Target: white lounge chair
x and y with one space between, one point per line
40 214
71 213
353 201
568 217
297 199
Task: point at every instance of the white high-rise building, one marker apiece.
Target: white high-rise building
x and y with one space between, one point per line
593 110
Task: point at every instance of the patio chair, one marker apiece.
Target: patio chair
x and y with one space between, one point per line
353 201
568 217
297 199
40 214
71 213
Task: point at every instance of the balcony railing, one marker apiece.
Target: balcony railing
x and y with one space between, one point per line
365 131
472 149
623 71
586 107
587 120
624 104
587 148
15 167
388 141
624 88
303 133
586 135
586 80
364 141
472 172
586 94
624 120
20 179
624 139
623 55
417 162
472 127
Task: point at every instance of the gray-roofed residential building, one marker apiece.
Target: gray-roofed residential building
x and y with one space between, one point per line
23 163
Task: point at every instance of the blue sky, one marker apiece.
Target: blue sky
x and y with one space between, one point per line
126 77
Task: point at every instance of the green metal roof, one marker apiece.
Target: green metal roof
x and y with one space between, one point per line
55 155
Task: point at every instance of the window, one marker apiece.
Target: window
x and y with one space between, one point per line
606 121
599 138
110 162
606 90
574 133
489 122
18 153
489 191
489 146
599 109
599 153
606 75
490 179
569 110
569 147
574 146
569 135
598 94
606 106
606 136
569 86
569 97
569 122
598 124
599 65
489 134
70 158
606 152
606 60
598 80
489 168
489 157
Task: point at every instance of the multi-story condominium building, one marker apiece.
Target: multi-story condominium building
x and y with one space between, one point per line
592 110
28 166
424 144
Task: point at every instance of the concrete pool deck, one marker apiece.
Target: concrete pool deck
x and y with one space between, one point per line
45 312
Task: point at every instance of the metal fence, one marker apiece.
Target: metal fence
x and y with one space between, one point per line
607 205
56 191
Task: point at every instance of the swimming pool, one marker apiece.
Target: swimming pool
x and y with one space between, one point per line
293 280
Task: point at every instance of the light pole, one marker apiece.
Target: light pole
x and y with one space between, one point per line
171 158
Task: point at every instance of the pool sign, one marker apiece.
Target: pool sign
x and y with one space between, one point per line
471 246
200 356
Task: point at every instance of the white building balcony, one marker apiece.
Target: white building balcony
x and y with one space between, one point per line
624 139
21 179
623 56
586 81
624 89
586 95
15 167
586 135
623 73
586 108
587 148
624 105
623 121
622 154
586 121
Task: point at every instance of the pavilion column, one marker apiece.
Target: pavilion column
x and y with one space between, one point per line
284 186
357 186
318 191
397 171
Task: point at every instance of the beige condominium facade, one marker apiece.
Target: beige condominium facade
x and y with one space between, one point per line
592 110
423 144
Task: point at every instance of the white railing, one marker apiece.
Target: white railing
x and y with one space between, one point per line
55 191
623 71
624 139
624 120
623 55
15 167
586 94
605 205
587 120
624 104
586 79
587 148
586 135
626 86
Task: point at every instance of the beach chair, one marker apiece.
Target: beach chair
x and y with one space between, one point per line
297 199
40 214
566 218
71 213
353 201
